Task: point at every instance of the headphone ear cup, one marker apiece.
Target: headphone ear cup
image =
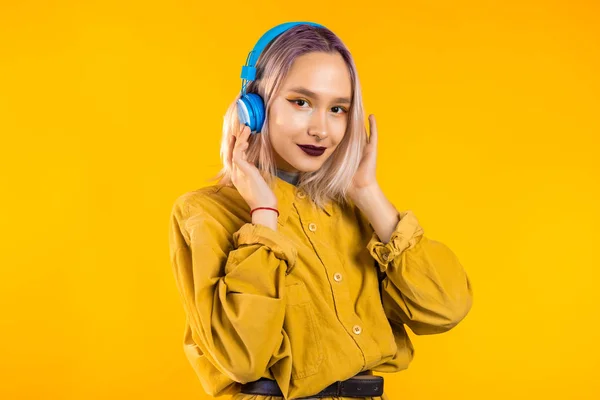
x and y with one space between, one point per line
243 111
251 111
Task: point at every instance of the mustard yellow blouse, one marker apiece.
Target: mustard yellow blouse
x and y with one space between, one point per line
315 302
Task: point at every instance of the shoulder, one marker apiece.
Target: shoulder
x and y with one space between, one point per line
217 202
192 199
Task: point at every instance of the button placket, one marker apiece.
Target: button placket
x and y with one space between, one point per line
309 219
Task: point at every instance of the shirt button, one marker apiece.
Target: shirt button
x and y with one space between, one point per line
357 329
301 194
312 227
385 256
337 277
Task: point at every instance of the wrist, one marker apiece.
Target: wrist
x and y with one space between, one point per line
264 208
265 217
367 197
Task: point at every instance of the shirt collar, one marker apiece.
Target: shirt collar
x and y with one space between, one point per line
288 194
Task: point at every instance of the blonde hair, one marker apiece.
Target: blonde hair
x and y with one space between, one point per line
333 179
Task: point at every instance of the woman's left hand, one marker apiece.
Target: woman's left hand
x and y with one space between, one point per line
364 178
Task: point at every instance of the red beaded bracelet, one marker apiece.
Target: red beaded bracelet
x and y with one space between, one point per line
264 208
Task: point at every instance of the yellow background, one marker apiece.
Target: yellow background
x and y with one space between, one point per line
109 110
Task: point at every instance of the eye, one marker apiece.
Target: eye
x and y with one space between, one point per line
341 108
296 102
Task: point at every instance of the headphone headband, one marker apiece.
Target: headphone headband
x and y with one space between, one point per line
249 70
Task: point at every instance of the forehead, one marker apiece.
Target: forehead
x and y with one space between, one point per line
323 73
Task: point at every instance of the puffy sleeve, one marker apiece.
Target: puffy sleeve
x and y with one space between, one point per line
423 283
232 288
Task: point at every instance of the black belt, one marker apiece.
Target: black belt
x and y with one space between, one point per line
352 387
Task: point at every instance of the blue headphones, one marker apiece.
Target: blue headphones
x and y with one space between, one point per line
251 107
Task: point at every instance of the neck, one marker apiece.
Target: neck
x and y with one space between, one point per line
290 177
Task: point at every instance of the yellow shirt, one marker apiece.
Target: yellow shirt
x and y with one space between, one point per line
302 305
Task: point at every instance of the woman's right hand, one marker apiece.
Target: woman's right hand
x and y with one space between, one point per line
245 176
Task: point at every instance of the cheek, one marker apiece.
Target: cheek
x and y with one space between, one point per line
286 118
339 129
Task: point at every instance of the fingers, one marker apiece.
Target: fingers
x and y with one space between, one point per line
372 130
232 144
230 153
244 142
372 126
239 148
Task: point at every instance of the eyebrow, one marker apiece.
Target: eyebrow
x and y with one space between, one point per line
314 95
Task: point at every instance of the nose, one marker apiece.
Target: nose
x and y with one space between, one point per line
318 124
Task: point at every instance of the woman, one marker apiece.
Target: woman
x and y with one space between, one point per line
297 275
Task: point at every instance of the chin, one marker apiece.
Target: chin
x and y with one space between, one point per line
306 164
308 168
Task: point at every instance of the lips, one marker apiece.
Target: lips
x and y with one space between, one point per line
312 150
310 146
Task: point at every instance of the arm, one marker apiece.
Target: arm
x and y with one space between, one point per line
232 293
423 283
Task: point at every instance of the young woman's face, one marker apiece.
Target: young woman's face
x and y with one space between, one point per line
313 103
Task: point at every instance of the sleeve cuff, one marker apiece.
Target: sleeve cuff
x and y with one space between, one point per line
281 246
406 235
